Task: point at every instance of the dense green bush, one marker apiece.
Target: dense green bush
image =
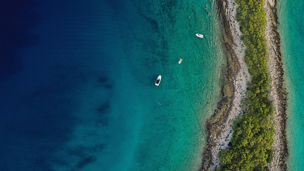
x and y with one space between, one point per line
251 144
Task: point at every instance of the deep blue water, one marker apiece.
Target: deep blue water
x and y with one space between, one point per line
77 84
49 55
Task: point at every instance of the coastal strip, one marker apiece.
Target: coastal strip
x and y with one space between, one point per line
278 93
219 126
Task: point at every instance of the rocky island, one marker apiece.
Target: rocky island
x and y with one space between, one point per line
248 129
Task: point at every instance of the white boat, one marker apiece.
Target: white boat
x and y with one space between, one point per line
180 61
158 80
199 35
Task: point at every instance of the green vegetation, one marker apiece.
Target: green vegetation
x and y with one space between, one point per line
251 144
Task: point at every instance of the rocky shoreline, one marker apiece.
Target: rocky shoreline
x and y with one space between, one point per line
278 93
219 126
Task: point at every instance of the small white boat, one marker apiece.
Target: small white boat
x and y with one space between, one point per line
158 80
180 61
199 35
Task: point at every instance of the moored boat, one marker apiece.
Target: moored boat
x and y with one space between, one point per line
180 61
158 80
199 35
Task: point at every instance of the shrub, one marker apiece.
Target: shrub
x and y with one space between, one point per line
251 143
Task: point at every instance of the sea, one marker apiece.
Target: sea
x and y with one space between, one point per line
77 84
292 32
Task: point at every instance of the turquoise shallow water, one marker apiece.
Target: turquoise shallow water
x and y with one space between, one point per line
166 128
81 94
291 28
